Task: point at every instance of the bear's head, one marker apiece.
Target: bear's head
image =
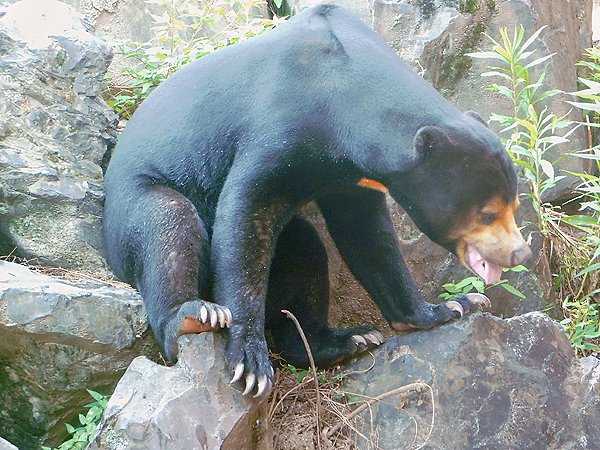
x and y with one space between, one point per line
461 191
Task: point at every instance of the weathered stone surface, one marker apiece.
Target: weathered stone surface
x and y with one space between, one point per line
5 445
57 339
54 132
189 405
510 384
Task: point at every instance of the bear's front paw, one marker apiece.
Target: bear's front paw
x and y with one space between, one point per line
432 315
249 359
468 303
196 316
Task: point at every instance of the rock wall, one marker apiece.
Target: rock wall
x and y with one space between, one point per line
501 384
58 339
54 132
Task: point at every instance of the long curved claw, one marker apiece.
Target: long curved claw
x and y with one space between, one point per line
228 317
237 374
250 380
455 306
374 337
263 387
203 314
221 317
359 340
480 300
213 318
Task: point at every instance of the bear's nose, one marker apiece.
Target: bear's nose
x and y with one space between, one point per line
520 255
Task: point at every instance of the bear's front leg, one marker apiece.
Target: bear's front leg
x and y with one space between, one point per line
244 235
363 232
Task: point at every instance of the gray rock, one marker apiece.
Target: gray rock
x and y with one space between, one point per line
56 340
54 132
189 405
5 445
511 384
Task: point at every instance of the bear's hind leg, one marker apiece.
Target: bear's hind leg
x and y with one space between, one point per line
299 282
170 267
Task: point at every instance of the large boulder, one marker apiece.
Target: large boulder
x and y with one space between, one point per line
57 339
492 383
54 133
512 384
187 406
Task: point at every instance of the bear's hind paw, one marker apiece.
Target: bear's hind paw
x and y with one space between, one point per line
372 338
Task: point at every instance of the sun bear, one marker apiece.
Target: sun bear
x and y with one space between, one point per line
204 186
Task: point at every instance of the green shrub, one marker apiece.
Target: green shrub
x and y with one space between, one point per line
186 31
83 435
571 241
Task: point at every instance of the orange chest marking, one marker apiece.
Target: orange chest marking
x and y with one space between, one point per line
372 184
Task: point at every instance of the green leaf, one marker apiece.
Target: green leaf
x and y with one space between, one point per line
581 220
538 61
590 346
590 294
593 87
588 269
302 375
466 282
525 164
586 106
592 334
451 287
532 38
486 55
513 290
547 168
530 127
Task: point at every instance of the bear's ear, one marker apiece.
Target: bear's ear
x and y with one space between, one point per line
477 117
430 138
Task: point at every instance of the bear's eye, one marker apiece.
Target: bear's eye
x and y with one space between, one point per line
487 218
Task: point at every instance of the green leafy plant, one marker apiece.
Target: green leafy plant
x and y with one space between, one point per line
593 63
301 373
573 243
582 325
476 284
184 32
83 435
532 127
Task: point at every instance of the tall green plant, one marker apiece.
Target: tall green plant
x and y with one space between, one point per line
531 131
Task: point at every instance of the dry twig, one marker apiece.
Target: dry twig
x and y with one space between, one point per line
314 371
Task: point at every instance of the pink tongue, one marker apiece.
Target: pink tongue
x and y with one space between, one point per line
489 272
